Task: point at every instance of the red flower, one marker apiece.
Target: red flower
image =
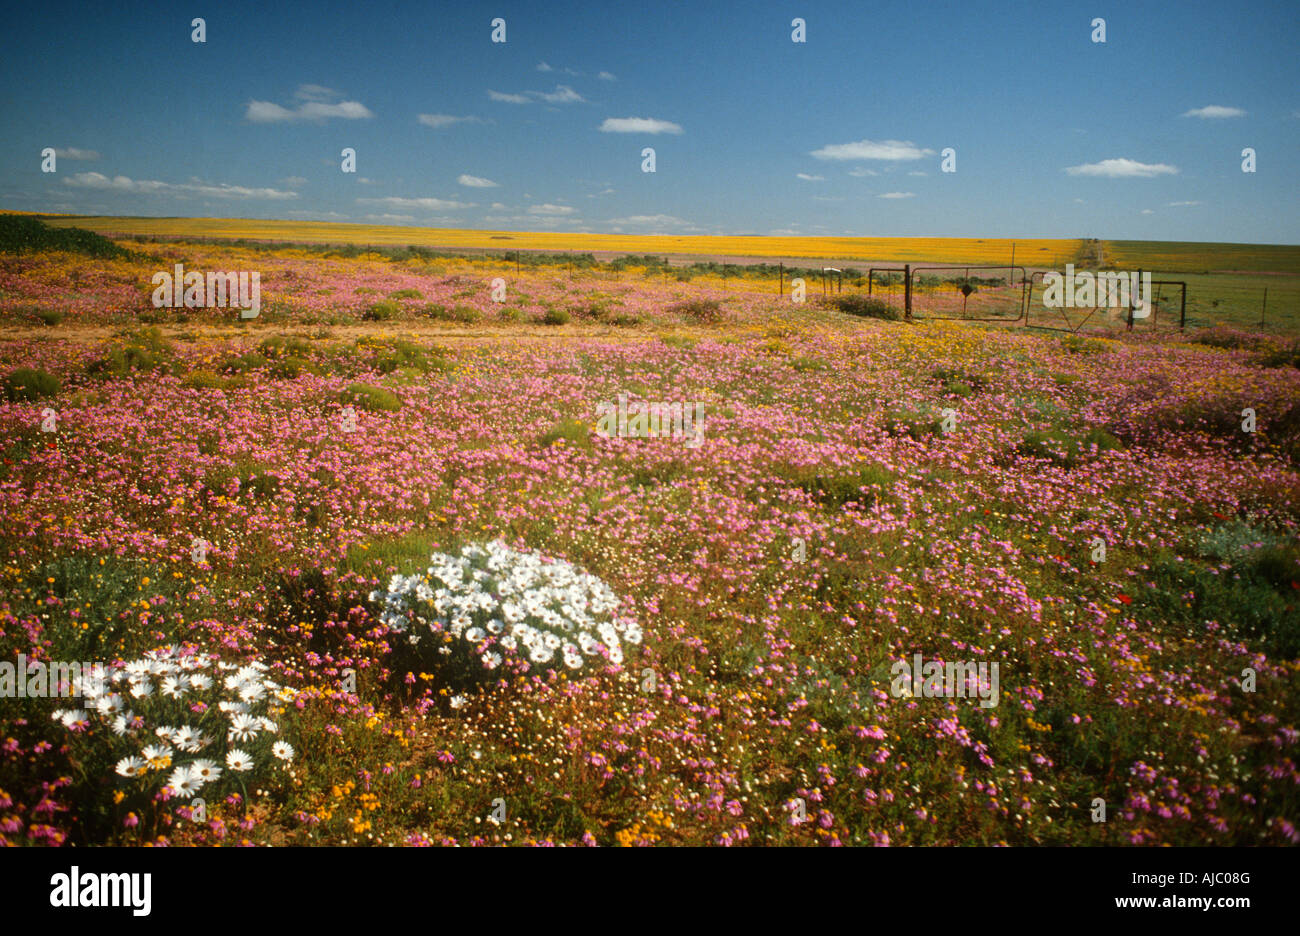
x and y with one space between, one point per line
1125 599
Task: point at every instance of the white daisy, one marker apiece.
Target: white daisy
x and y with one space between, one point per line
239 761
184 782
130 767
206 770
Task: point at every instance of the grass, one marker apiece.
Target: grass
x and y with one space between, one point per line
27 384
370 398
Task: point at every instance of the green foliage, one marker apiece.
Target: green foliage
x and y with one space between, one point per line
203 380
381 311
291 367
1257 596
1077 345
866 307
405 294
244 363
27 384
834 487
698 310
1066 449
370 398
277 346
397 353
573 431
555 317
19 234
143 351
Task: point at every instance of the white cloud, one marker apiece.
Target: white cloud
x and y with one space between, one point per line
476 182
315 92
862 172
562 94
317 215
97 180
76 154
432 204
917 172
390 217
551 210
543 67
606 76
639 125
890 150
1147 211
315 105
897 195
438 121
1122 169
809 178
651 224
1183 204
1215 112
293 181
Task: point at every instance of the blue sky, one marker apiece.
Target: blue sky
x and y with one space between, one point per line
1055 135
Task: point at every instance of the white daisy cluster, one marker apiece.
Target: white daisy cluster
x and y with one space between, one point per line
505 605
171 703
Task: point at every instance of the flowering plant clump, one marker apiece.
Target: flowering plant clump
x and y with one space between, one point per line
175 723
493 606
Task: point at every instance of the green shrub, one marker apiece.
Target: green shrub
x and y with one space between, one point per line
50 317
683 342
142 351
866 307
1077 345
573 431
381 311
20 234
555 317
292 367
1285 356
460 313
511 315
202 380
625 320
699 310
396 353
834 489
243 363
1061 448
27 384
278 346
406 294
912 422
370 398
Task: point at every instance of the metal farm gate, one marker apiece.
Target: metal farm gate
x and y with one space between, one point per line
934 293
1060 320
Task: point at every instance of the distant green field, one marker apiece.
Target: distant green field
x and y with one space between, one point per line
1191 257
1233 299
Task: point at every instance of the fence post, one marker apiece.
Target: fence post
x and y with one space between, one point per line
907 291
1263 308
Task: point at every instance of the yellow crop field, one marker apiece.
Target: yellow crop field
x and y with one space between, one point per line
1028 252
